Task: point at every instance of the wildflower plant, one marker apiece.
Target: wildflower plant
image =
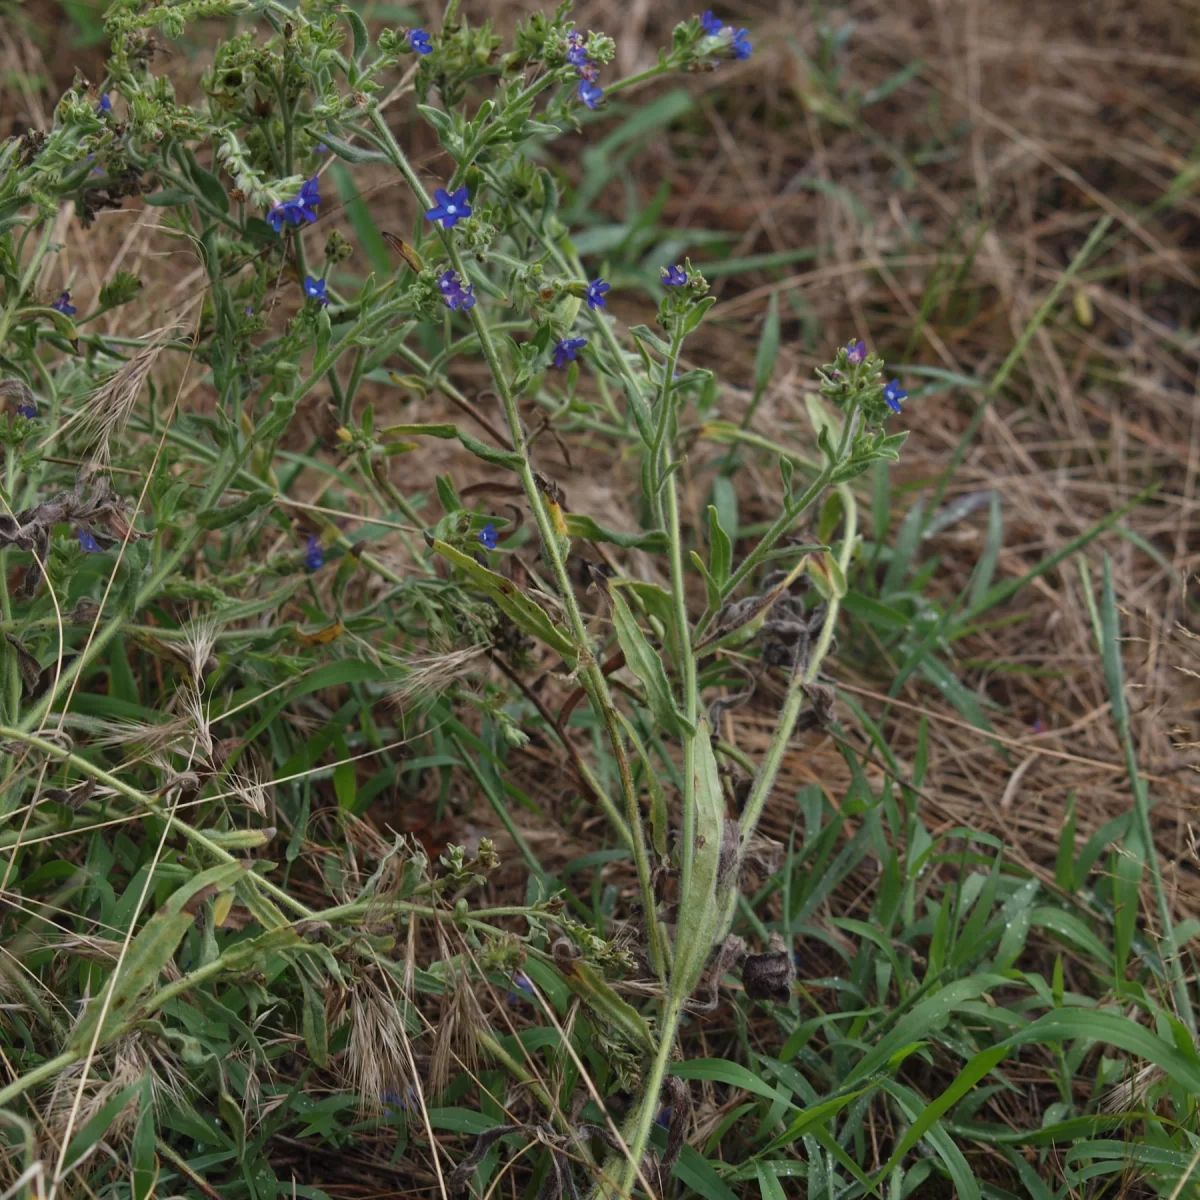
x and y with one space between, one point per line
297 637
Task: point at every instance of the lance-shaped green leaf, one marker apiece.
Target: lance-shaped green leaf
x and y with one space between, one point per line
511 600
579 525
698 910
448 430
316 1035
498 458
641 659
600 997
148 953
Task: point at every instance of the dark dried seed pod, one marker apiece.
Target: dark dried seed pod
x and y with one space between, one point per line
769 976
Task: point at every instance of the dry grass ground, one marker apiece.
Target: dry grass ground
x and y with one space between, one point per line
940 215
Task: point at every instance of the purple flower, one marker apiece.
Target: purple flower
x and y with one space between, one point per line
566 349
249 310
712 25
590 94
595 293
576 52
314 555
322 148
105 104
299 209
588 70
457 297
418 39
488 536
674 276
856 352
450 208
27 410
314 289
893 394
742 47
63 305
87 541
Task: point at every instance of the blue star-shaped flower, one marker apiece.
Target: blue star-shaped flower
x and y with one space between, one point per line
712 25
63 305
450 207
488 536
566 349
314 555
306 203
87 541
742 46
314 289
418 39
674 276
590 94
893 394
105 104
27 410
856 351
595 293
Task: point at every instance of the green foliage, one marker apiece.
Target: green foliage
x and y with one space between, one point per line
211 671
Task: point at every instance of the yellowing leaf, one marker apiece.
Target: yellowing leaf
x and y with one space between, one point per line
322 637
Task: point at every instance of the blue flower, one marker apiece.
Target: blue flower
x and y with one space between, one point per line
457 297
674 276
314 555
742 46
249 310
299 209
314 289
450 207
418 39
306 203
664 1117
577 52
595 293
391 1098
63 305
712 25
522 983
105 104
893 394
566 349
856 351
590 94
87 541
488 536
27 410
322 148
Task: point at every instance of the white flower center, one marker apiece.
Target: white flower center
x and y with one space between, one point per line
452 208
